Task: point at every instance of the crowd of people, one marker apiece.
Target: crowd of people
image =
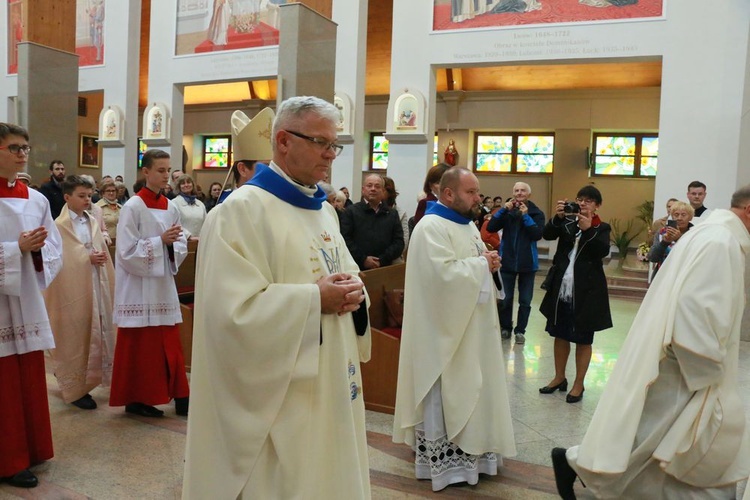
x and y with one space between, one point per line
281 322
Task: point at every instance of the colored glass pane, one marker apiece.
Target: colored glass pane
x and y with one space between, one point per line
494 144
534 164
217 145
650 146
380 143
540 144
608 145
435 159
379 161
493 162
648 166
216 160
614 165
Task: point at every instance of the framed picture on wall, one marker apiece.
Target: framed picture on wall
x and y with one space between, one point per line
88 152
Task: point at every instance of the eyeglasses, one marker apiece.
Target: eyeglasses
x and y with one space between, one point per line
337 148
15 149
584 200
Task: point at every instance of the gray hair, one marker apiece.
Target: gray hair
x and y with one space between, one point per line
341 196
528 188
741 197
295 108
90 179
327 188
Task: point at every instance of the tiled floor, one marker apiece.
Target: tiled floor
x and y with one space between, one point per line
104 454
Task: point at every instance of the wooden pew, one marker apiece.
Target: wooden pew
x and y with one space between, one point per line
380 374
186 334
185 282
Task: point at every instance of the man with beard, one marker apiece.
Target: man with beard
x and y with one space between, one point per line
522 223
52 190
452 403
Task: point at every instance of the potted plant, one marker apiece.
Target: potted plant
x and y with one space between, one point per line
622 237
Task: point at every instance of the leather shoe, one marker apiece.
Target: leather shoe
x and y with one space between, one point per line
549 389
143 410
181 406
24 479
85 403
574 399
565 476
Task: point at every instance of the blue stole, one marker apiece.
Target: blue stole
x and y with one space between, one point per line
268 180
436 208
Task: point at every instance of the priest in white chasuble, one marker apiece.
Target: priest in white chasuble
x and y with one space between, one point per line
30 258
280 329
670 423
452 403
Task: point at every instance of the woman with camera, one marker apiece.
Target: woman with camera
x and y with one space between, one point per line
681 214
577 303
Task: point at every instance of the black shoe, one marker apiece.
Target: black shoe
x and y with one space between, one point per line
143 410
24 479
549 389
565 476
85 403
181 406
574 399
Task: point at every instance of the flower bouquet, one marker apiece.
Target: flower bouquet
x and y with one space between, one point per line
642 251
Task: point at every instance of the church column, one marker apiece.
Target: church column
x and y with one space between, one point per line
48 83
351 58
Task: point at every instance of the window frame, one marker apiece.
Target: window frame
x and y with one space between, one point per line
230 153
637 156
514 151
372 151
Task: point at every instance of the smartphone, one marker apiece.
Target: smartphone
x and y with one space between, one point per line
672 223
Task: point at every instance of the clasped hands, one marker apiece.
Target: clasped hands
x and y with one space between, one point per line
31 241
340 293
493 260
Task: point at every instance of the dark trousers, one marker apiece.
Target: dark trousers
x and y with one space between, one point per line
525 293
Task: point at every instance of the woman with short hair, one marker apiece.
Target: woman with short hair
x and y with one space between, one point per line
192 210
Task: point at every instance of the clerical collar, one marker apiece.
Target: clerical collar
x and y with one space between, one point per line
437 208
13 189
269 179
153 200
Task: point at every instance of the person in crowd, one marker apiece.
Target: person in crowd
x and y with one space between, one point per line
80 301
665 239
96 211
497 202
167 191
339 202
138 185
390 200
214 191
32 256
329 191
492 239
259 399
372 231
24 178
348 202
522 223
173 177
576 303
122 193
670 422
662 221
452 401
696 193
192 210
110 207
199 194
52 189
149 367
251 141
430 189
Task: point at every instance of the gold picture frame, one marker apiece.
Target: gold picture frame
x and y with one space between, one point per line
88 151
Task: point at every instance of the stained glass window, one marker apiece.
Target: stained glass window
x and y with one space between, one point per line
217 151
435 159
378 151
630 155
514 153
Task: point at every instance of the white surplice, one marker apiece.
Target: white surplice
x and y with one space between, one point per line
25 328
451 358
145 291
276 392
670 423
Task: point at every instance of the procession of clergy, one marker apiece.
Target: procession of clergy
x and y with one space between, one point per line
281 327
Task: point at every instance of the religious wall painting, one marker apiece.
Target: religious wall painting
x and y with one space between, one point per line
474 14
205 26
343 104
15 33
408 112
90 16
156 124
111 126
88 151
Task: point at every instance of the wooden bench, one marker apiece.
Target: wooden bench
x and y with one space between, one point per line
380 374
185 282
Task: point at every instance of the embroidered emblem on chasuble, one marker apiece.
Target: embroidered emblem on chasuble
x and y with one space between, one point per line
354 389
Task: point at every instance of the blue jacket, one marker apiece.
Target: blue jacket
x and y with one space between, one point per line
520 234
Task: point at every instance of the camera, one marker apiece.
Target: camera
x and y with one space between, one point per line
571 207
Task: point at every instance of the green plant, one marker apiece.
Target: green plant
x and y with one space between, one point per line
621 238
645 212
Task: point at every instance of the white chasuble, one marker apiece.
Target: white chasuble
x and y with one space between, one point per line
671 404
79 303
276 394
24 325
145 292
450 345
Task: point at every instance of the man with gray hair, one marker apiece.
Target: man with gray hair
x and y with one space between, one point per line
670 423
280 329
522 223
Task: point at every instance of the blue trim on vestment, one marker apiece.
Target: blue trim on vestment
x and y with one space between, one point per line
436 208
268 180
